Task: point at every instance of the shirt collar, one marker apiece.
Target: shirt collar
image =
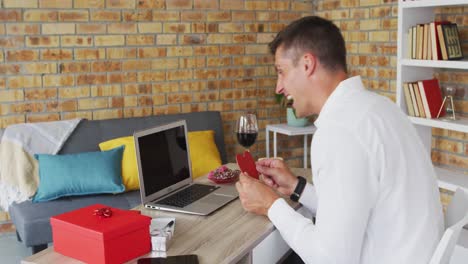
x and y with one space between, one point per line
343 88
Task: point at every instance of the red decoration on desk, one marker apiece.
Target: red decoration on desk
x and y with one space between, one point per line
247 164
223 175
104 212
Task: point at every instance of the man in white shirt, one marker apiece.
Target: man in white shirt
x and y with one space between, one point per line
375 194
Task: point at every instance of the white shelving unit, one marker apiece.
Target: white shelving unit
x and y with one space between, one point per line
411 13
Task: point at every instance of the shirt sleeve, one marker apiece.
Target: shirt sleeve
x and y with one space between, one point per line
344 200
309 198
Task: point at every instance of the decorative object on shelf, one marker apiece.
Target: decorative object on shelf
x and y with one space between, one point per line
291 118
452 41
447 104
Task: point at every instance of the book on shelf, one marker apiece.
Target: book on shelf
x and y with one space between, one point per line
413 99
443 50
417 93
435 44
424 45
429 43
409 38
419 41
432 95
414 45
425 103
452 41
409 103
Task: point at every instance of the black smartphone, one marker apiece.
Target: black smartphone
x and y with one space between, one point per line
181 259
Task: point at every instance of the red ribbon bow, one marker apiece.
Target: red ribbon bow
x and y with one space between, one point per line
104 212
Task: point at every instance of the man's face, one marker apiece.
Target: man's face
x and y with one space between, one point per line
292 81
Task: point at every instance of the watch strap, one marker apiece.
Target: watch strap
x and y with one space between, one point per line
299 189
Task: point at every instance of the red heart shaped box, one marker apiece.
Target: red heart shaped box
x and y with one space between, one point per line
246 163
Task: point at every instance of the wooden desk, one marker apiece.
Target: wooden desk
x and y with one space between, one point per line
229 235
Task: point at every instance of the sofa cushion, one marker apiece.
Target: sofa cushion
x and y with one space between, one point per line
129 161
79 174
204 154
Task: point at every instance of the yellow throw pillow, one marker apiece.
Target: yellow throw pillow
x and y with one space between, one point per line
203 152
129 162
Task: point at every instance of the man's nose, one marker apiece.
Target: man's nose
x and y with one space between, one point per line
279 87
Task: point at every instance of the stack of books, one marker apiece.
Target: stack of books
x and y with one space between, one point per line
438 40
424 98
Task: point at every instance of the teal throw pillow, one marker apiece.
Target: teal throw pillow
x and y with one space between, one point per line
79 174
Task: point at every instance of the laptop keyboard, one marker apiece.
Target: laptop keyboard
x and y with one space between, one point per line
188 195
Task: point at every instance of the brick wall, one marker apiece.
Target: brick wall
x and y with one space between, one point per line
101 59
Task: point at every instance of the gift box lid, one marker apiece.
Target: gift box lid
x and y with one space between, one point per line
85 222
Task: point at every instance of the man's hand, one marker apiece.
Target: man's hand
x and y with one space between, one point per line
254 195
276 174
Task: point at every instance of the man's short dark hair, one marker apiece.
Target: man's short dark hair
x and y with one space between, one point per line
316 35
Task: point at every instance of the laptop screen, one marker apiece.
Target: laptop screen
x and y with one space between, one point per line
164 159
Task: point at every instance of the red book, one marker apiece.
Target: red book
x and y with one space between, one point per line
432 95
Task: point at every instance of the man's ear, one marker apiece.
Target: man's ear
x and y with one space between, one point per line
309 63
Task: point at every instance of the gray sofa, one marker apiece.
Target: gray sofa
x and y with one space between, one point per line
32 220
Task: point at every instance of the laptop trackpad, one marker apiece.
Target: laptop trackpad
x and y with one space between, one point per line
216 199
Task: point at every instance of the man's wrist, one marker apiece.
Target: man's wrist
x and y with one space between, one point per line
270 204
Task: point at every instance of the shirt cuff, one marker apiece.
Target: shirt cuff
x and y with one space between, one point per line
280 214
309 198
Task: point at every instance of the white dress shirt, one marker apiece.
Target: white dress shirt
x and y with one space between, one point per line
375 193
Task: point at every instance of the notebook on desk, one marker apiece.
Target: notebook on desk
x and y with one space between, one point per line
164 171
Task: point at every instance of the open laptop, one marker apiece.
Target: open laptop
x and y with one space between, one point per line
165 174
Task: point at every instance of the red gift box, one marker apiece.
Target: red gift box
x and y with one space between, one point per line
92 237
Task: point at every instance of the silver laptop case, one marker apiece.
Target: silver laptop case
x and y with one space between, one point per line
149 178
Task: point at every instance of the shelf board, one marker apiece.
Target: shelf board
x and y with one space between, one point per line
454 64
431 3
460 125
291 130
451 179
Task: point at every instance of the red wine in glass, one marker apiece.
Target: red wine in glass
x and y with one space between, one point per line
247 129
247 138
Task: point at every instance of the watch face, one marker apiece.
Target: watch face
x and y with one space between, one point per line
294 197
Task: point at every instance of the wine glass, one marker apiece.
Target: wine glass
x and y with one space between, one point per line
247 129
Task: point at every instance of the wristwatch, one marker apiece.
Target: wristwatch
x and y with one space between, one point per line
299 189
